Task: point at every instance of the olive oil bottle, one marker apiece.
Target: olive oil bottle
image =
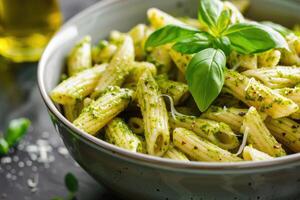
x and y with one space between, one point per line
26 27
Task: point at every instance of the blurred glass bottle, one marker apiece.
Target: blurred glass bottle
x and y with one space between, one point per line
26 27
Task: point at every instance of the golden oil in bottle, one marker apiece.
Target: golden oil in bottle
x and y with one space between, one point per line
26 27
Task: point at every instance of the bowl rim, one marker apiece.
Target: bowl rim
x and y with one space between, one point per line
144 158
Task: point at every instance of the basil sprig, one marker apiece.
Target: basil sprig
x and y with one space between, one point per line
205 72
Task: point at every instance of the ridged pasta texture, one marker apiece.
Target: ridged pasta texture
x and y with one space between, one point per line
94 117
154 113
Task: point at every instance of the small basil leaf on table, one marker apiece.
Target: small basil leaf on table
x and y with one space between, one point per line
277 27
250 38
194 44
205 76
71 182
16 130
4 148
168 34
209 12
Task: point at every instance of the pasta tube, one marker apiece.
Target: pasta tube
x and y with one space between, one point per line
180 60
72 111
236 60
217 133
161 58
118 133
138 69
159 18
103 52
294 95
291 57
140 34
277 77
80 57
77 87
136 124
269 58
175 154
250 153
231 116
118 68
286 131
290 93
178 91
154 113
200 149
258 134
256 94
94 117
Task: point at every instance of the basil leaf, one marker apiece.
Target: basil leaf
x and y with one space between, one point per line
224 20
205 76
194 44
16 130
222 43
209 12
71 182
249 38
4 148
277 27
168 34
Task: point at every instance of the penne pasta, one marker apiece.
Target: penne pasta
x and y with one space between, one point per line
217 133
136 124
269 58
180 60
236 60
286 131
118 133
77 87
200 149
178 91
104 52
256 94
118 69
161 58
140 34
80 57
154 113
138 69
72 111
159 18
258 134
175 154
95 116
291 57
251 154
276 77
233 117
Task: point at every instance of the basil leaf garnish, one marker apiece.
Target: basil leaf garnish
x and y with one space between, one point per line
209 12
168 34
277 27
222 43
250 38
224 20
194 44
205 76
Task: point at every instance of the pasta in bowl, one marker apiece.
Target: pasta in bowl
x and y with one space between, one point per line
139 93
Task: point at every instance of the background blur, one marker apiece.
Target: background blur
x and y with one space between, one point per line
19 97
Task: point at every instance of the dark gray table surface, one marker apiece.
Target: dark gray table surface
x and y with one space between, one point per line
19 97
